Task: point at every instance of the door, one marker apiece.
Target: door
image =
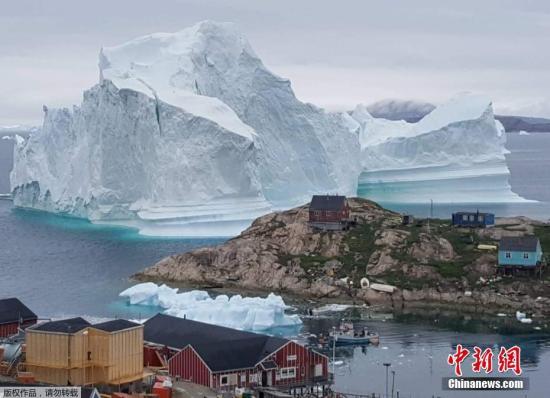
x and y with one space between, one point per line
264 378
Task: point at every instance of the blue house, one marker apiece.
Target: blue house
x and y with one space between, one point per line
521 252
473 219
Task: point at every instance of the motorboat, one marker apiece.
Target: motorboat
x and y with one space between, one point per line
347 333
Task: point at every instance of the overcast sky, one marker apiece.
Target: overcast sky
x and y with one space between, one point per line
336 53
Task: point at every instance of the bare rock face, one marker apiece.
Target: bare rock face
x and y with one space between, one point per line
380 262
394 238
484 265
268 255
431 248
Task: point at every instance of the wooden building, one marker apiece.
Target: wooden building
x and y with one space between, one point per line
473 219
524 252
328 212
75 352
14 315
223 358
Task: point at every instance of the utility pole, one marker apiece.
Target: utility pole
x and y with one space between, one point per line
392 382
387 365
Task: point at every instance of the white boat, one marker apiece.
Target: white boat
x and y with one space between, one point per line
348 334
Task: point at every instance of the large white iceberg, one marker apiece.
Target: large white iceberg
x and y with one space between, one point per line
184 130
245 313
459 140
189 134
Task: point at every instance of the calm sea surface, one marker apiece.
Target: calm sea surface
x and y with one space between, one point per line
66 267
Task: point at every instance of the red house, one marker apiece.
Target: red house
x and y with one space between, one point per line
223 358
328 212
14 315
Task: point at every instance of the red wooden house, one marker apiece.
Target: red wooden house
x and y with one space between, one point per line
14 315
328 212
223 358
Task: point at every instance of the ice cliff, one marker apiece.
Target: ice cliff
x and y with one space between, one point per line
185 129
458 140
190 134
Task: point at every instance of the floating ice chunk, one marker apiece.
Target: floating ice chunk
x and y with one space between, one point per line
520 315
332 308
247 313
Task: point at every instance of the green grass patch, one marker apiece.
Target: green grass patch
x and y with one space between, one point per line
360 242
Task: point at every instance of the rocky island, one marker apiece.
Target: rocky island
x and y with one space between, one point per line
428 262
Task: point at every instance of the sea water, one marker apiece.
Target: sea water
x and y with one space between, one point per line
63 267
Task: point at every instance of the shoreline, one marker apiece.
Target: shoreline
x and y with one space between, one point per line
480 302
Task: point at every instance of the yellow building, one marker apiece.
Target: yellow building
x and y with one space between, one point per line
75 352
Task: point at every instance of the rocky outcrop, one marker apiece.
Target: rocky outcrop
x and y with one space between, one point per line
281 252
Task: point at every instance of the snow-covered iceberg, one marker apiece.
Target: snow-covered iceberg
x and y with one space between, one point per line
456 153
189 129
245 313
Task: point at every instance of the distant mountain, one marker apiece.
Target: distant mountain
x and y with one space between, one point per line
524 123
412 111
394 109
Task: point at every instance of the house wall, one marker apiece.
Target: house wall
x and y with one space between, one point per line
47 357
329 216
236 378
10 329
89 356
153 356
304 364
473 219
187 365
517 258
125 354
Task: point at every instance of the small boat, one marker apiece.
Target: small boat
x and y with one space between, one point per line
348 334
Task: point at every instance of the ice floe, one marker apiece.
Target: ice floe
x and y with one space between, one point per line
245 313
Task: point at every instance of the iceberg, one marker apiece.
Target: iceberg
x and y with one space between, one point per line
244 313
189 134
185 131
456 153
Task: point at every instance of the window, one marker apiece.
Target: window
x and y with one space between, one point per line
318 369
525 255
287 373
464 217
508 255
243 378
291 358
224 380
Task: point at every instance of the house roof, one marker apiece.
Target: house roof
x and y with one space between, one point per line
327 202
519 243
13 310
71 325
219 347
115 325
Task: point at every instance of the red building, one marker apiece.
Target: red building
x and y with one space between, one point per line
328 212
223 358
14 315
